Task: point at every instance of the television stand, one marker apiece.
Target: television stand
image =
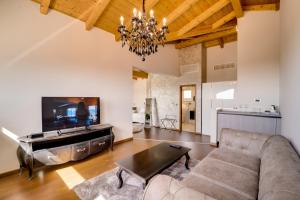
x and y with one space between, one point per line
54 149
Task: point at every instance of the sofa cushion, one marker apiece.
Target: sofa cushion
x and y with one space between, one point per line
229 180
279 170
212 189
162 187
281 195
236 158
243 141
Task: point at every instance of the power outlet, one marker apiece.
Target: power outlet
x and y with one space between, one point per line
257 100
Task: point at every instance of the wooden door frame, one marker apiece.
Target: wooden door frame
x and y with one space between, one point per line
180 104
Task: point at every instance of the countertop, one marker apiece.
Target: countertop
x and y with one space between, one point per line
249 113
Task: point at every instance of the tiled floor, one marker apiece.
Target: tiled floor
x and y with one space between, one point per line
189 127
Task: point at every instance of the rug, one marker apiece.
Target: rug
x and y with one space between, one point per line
105 186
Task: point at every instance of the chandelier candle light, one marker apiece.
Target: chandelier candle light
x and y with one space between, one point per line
144 37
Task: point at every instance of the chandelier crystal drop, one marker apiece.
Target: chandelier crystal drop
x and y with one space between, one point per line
144 37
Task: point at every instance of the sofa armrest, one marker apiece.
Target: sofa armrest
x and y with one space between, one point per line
162 187
243 141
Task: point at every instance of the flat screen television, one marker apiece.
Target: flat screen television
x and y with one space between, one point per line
69 112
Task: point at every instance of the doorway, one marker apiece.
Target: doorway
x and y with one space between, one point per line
188 108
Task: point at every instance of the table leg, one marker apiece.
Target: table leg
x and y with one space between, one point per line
163 124
169 125
21 155
187 157
119 175
173 124
20 170
29 160
29 173
112 141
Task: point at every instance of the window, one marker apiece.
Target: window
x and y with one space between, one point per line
187 94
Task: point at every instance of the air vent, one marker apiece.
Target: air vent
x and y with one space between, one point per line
224 66
193 68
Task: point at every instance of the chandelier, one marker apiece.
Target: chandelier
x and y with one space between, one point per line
144 37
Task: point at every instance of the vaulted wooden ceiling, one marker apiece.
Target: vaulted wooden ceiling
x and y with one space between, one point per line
211 22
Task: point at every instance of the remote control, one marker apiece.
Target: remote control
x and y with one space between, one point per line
175 146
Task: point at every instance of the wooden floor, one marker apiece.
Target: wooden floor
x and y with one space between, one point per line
48 184
169 135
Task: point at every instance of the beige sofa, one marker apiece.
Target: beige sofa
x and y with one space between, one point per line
247 166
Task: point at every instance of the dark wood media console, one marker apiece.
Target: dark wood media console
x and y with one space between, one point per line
53 149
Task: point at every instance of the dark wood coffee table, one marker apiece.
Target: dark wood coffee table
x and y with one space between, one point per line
146 164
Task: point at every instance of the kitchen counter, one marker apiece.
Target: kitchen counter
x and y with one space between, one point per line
249 113
260 122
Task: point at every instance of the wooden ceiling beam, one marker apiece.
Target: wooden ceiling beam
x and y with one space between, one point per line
182 8
213 43
206 30
272 6
149 4
224 20
221 42
203 16
205 38
237 7
44 7
96 13
139 74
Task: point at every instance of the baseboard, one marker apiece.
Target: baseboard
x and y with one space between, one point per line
15 171
122 141
213 144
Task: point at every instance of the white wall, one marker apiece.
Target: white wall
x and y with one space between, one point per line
53 55
258 58
290 70
218 56
139 93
